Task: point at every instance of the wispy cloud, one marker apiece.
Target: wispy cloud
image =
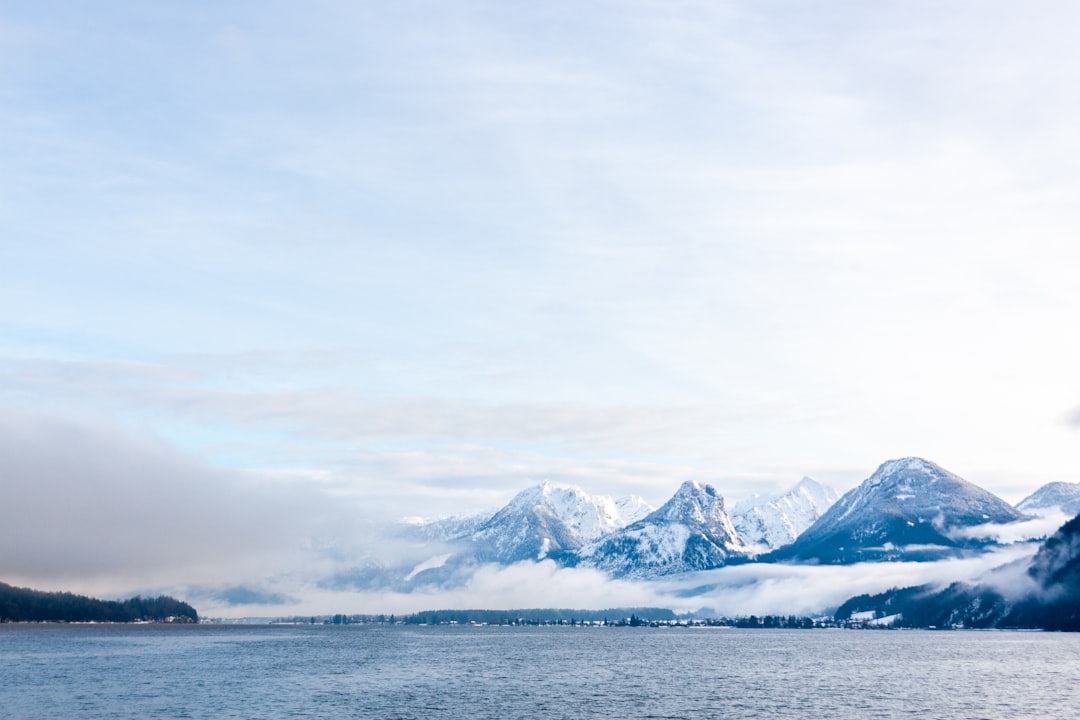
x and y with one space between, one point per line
756 589
432 441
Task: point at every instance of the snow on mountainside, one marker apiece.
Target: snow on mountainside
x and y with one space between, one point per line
1054 497
691 531
770 522
909 509
547 519
446 529
632 508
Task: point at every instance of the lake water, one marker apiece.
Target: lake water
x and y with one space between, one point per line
208 671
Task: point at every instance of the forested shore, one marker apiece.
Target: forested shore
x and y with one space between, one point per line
26 605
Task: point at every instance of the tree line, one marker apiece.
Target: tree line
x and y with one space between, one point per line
26 605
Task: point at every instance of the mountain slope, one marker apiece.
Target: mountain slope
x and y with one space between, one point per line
632 508
547 519
1046 597
907 510
691 531
1053 497
445 529
771 522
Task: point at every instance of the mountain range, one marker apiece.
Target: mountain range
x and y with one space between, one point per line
908 509
624 537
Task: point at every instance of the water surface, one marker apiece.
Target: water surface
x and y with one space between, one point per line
214 671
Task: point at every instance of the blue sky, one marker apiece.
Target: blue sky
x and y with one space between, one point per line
416 256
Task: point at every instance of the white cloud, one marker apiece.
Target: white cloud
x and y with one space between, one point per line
1036 528
754 589
811 589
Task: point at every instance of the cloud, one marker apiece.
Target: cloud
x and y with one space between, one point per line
1031 529
400 441
94 509
811 589
753 589
346 413
89 504
522 585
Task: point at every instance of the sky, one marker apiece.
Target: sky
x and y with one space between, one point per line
274 275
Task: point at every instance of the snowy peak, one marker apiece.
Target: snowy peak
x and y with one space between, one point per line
589 516
1054 497
771 522
906 510
545 520
917 486
632 508
812 493
909 465
900 478
692 504
691 531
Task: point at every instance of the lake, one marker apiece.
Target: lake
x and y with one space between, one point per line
380 671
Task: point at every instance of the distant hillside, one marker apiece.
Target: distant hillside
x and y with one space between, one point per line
1046 597
25 605
1060 496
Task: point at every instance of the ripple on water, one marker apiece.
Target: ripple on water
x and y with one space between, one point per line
491 672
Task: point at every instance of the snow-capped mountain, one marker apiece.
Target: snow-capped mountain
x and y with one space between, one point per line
632 508
1054 497
691 531
770 522
445 529
548 519
906 510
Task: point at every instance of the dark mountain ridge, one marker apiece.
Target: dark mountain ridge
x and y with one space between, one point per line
1046 597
